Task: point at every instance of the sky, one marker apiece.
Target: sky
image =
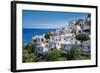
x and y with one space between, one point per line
48 19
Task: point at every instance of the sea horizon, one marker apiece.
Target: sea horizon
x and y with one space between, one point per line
27 33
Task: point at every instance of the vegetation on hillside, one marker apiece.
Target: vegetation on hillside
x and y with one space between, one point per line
30 55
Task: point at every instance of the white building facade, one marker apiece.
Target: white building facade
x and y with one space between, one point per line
65 38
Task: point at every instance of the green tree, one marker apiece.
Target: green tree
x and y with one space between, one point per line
53 55
56 55
82 38
84 57
28 53
47 35
74 54
29 57
30 47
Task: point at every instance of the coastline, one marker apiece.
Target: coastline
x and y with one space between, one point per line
29 32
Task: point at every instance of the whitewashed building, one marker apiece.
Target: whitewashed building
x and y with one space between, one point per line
83 27
63 40
41 46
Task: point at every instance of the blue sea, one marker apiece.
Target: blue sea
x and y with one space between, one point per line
27 33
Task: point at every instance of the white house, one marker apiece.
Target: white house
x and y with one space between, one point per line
42 46
64 41
83 27
86 48
64 38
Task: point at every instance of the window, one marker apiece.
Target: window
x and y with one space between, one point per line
75 42
58 43
79 31
40 49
